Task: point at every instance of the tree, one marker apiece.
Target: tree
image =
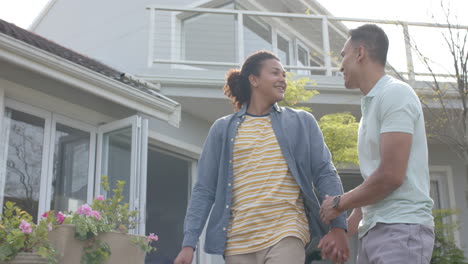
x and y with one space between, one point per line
339 129
445 100
446 108
445 248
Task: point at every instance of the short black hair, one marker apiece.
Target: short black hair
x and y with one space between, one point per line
374 39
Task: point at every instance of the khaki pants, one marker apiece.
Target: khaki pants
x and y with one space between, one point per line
289 250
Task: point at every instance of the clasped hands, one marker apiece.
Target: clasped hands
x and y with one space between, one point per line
334 245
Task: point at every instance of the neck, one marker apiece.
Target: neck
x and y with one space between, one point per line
371 77
258 107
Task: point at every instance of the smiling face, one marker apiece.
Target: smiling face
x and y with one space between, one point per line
349 64
270 84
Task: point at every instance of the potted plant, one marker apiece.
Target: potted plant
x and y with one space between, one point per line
22 241
98 233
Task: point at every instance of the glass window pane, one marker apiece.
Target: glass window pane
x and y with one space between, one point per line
25 135
167 196
283 50
435 195
302 56
116 158
70 172
209 37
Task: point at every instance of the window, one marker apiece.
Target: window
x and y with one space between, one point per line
24 155
283 50
71 168
49 160
168 189
209 37
435 194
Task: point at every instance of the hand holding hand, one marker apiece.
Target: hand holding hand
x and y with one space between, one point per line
334 246
185 256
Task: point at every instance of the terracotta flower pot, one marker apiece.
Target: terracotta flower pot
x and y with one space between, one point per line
26 258
70 250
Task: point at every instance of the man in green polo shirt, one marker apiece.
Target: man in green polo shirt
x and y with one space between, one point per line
392 207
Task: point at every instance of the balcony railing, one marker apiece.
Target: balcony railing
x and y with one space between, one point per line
216 39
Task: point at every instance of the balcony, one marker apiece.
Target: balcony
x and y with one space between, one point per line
215 39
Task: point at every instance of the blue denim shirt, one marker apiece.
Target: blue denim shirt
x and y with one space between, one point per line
305 152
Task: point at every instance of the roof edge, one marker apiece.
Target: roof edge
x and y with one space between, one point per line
56 67
45 10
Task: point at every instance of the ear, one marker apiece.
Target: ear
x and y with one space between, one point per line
253 80
360 53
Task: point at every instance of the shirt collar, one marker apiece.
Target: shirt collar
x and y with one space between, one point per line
378 86
274 107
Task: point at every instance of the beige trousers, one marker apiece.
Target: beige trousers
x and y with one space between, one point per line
289 250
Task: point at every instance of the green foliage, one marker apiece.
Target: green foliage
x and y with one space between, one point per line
296 91
14 239
96 252
117 215
339 129
445 249
340 134
143 244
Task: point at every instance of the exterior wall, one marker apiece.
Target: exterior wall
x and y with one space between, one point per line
187 140
30 96
125 43
440 155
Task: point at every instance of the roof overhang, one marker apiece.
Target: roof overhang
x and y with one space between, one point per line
60 69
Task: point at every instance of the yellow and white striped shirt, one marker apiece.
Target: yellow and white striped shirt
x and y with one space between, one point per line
266 201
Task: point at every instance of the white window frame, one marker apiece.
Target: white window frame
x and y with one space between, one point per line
50 121
31 110
444 178
275 33
139 151
57 118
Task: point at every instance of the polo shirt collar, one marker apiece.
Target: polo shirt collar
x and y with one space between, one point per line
378 86
365 100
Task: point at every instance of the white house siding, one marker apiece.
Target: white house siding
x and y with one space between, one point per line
114 32
187 139
441 158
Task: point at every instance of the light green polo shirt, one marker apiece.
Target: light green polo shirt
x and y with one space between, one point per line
393 106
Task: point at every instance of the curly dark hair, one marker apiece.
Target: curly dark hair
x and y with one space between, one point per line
237 87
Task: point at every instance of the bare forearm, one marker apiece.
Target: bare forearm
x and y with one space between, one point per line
372 190
353 221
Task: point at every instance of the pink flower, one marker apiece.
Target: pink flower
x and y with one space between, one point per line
96 215
60 218
152 237
84 210
44 215
100 197
49 226
25 227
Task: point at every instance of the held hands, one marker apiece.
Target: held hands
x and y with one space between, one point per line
185 256
334 246
327 211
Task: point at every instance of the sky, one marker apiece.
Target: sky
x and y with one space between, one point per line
23 12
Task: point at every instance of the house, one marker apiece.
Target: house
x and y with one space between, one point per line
177 49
